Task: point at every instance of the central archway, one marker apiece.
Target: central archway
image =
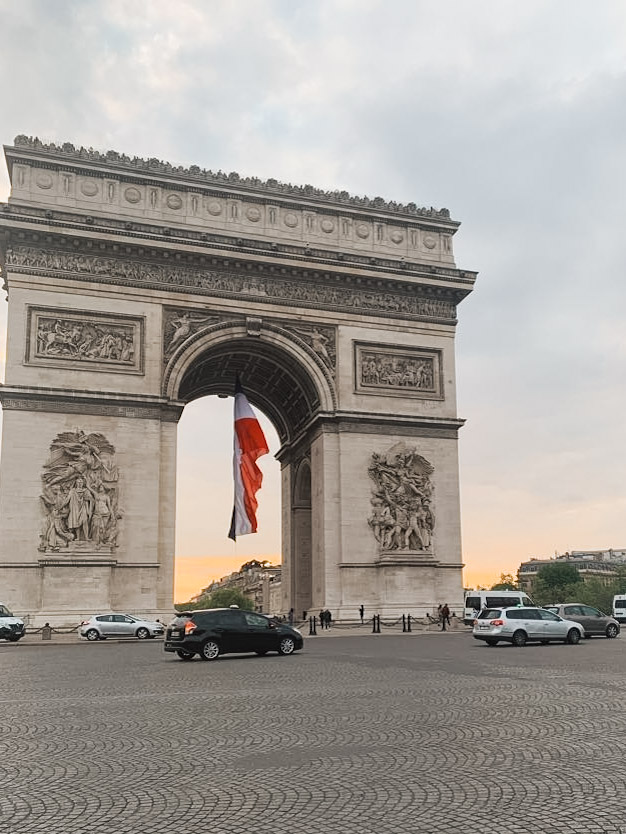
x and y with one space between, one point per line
288 382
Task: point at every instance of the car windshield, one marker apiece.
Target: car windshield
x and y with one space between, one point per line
489 613
4 611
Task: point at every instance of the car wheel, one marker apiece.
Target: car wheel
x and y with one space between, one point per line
573 636
519 639
92 634
491 642
13 638
262 652
287 645
185 655
143 633
210 650
612 630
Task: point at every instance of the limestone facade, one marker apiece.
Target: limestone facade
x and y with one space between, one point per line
135 287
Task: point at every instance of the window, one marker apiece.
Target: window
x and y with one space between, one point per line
255 620
474 602
549 616
572 611
588 611
496 601
489 614
104 618
522 614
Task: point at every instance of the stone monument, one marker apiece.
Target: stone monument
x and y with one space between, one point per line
135 287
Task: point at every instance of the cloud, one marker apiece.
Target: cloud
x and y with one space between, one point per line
511 114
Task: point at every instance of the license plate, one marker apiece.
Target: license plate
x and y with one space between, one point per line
175 634
483 625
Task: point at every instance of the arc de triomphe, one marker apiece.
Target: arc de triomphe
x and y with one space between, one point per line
135 287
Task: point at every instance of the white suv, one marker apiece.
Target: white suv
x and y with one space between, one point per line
523 625
11 628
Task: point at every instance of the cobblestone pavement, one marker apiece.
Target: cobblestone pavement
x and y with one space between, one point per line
357 735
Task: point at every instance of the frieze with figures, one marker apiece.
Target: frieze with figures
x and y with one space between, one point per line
228 283
412 372
402 516
80 495
63 338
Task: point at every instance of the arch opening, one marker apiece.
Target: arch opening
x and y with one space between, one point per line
273 380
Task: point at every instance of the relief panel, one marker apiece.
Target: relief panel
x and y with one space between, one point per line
402 372
84 340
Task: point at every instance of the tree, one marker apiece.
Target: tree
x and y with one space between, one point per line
556 582
221 598
507 583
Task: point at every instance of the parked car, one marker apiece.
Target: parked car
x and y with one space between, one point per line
101 626
523 625
211 632
593 621
11 628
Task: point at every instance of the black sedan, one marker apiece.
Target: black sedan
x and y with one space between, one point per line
214 631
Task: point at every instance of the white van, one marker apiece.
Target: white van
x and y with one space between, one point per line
619 607
477 600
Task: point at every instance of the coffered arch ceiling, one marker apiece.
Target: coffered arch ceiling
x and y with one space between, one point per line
273 381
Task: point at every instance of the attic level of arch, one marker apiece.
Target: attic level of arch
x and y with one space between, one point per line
63 223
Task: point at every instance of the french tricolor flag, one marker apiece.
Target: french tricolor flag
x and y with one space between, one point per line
249 445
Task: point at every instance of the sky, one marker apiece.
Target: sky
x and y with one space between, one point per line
510 114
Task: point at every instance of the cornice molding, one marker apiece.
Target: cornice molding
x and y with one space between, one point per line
89 158
67 401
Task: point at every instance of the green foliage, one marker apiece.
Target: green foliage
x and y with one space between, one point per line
222 598
556 582
507 583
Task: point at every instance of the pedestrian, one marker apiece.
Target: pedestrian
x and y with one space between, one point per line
321 619
290 617
328 618
304 615
361 613
445 616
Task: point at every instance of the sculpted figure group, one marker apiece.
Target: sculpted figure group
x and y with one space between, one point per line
80 493
397 372
402 517
73 339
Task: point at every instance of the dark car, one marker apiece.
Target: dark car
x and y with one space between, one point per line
591 619
215 631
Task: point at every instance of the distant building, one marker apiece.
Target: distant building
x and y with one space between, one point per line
259 581
597 564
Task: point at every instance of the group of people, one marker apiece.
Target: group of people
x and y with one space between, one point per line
443 612
326 618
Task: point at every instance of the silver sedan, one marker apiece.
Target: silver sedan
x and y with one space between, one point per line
591 619
101 626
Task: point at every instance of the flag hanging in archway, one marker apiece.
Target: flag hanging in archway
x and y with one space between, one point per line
249 444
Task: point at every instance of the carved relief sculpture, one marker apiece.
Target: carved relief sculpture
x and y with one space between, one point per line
80 497
61 337
402 517
321 339
178 327
412 372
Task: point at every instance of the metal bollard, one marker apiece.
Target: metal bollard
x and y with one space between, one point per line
312 625
46 632
403 623
408 623
374 624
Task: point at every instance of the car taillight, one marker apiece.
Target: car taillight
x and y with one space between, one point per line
85 622
496 622
190 627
